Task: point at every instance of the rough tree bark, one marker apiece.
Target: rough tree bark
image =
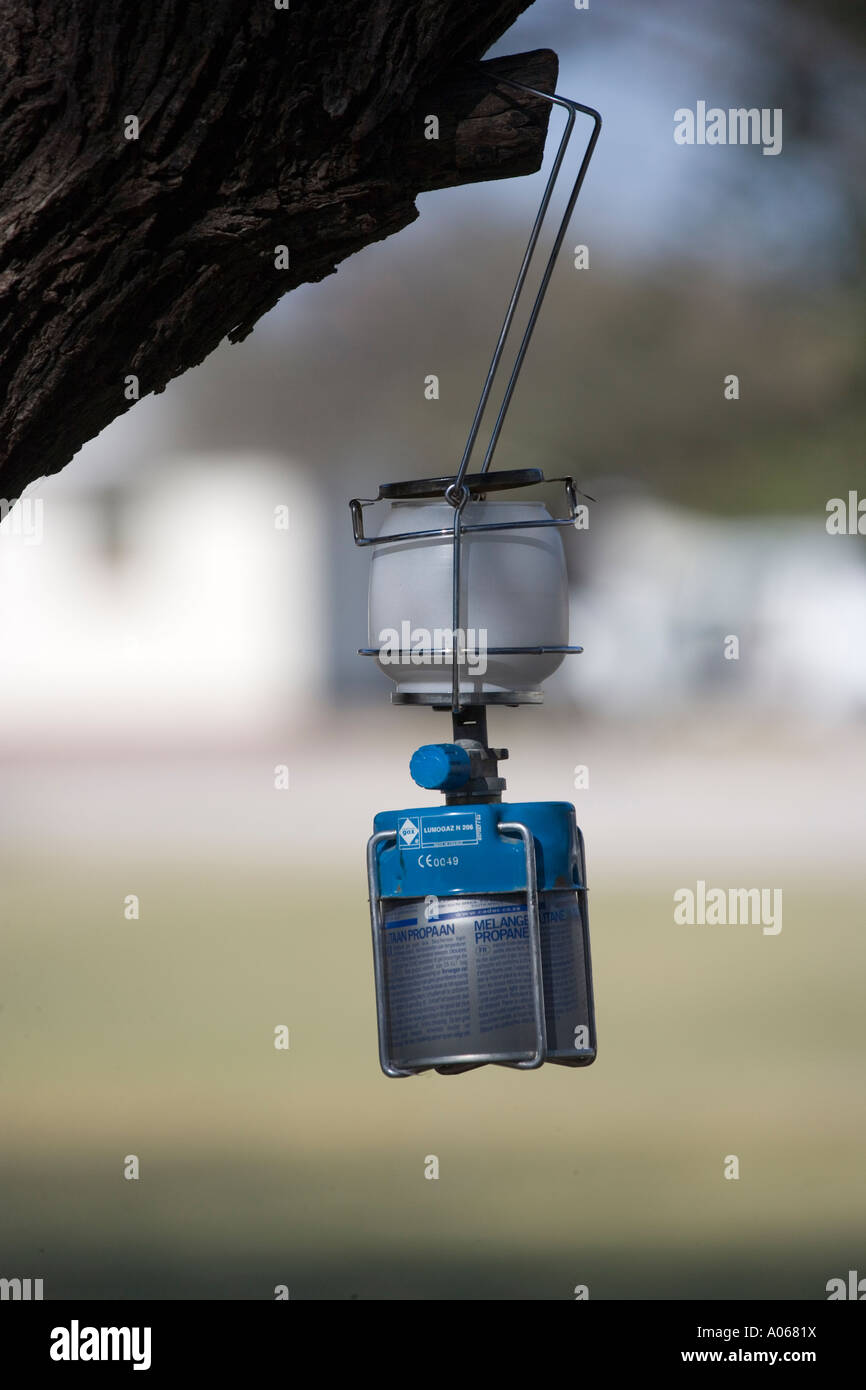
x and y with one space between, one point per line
258 127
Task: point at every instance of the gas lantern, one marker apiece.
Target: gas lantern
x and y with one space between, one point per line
478 906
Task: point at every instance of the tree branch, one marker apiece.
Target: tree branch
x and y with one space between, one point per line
257 128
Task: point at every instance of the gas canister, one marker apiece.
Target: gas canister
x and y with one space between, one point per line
480 937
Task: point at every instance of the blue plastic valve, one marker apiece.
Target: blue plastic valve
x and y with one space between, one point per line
440 767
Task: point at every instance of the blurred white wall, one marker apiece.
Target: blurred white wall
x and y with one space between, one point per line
663 588
175 609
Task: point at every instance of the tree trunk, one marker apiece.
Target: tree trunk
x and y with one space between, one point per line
124 261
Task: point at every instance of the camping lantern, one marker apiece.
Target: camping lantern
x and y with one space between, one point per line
516 578
478 907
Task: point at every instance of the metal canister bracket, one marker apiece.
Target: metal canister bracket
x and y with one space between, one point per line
378 961
539 1055
533 914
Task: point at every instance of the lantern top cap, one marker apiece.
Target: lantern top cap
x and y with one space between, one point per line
476 483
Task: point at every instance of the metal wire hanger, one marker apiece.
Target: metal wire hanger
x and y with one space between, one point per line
572 107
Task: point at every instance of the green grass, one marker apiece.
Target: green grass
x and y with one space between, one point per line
306 1167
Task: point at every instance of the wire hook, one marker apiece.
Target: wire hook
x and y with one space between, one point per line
572 107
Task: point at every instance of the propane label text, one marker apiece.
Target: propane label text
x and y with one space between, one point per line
411 931
513 927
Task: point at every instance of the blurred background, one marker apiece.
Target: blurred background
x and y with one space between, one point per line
164 647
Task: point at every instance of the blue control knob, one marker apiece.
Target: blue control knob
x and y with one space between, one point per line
440 767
